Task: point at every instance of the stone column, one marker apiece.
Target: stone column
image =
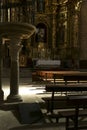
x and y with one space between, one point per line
83 30
54 29
14 49
1 91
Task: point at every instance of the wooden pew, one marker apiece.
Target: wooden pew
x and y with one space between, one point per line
71 76
53 88
66 75
70 115
77 78
79 101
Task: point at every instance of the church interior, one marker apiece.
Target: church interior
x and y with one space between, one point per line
43 64
58 31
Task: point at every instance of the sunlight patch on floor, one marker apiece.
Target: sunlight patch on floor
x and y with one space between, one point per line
25 90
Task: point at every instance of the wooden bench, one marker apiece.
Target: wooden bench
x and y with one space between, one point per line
53 88
70 114
76 78
79 101
73 77
58 103
65 75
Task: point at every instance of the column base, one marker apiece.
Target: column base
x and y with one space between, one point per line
14 98
1 96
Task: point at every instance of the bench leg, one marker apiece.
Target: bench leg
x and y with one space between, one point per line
76 119
48 106
67 123
57 119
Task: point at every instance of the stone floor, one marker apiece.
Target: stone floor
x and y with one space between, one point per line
31 93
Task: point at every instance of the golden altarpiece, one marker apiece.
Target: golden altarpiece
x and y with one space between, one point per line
57 24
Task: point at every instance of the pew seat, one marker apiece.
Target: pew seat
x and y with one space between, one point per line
70 114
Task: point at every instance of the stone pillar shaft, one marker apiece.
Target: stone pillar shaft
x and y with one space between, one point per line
1 91
14 72
83 30
54 29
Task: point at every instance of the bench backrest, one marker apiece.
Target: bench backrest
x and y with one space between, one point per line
65 88
77 100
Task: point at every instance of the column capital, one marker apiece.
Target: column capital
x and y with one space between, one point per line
14 48
14 51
